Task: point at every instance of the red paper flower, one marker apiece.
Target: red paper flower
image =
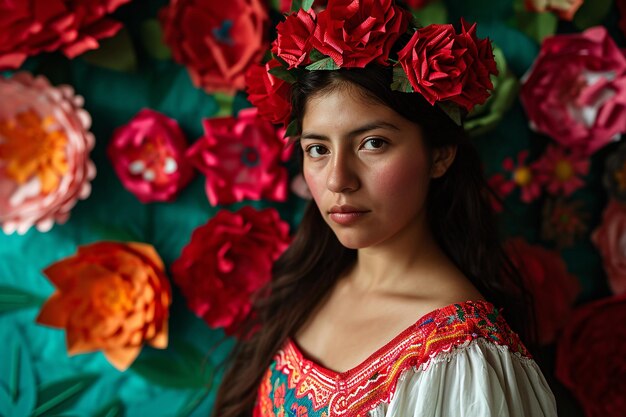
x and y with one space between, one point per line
241 158
44 153
545 276
354 33
148 155
270 94
610 239
576 90
294 38
30 27
524 176
112 297
563 222
590 357
442 65
565 9
216 42
561 170
227 260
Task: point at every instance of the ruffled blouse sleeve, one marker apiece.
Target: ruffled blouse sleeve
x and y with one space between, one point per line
479 379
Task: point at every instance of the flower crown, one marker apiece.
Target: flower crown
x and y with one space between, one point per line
449 69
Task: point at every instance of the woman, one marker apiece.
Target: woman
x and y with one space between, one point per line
388 301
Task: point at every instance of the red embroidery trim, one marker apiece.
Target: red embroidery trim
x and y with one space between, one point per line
360 389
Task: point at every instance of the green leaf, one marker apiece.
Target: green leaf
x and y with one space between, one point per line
60 395
537 26
434 12
307 4
292 129
301 4
17 376
401 81
592 13
316 55
14 299
323 64
225 103
114 408
192 403
152 39
452 110
116 53
283 73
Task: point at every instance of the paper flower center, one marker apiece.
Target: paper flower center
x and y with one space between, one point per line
563 170
222 33
154 161
522 176
112 294
250 157
32 146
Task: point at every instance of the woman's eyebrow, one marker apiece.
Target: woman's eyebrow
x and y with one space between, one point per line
358 131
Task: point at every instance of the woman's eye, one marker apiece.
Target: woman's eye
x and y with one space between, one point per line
373 144
315 151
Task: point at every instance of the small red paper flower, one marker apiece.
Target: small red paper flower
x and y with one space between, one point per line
112 297
44 153
241 158
523 176
575 91
610 239
441 65
561 170
270 94
148 155
590 357
356 32
227 260
30 27
216 42
294 38
554 289
565 9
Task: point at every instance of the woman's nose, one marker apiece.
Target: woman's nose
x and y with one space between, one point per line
342 176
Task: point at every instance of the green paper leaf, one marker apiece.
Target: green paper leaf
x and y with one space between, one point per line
14 299
17 376
434 12
152 39
401 81
315 55
225 103
292 129
326 64
283 73
592 13
301 4
114 408
452 110
537 26
116 53
193 401
60 395
307 4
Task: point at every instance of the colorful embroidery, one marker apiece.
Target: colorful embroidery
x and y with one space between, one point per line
312 390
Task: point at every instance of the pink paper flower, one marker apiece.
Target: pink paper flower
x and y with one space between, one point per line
241 158
30 27
610 239
565 9
575 91
522 175
554 289
44 153
561 170
227 261
148 155
216 41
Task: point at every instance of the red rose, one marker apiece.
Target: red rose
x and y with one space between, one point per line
294 38
227 260
354 33
575 92
590 357
442 65
270 94
610 239
217 43
554 289
30 27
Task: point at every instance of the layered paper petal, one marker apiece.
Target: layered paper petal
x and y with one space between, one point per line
610 239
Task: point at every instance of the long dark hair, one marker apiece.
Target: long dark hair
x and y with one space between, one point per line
458 211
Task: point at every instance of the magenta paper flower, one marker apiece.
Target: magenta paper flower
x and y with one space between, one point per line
148 155
30 27
561 170
522 175
227 260
44 153
241 158
610 239
575 91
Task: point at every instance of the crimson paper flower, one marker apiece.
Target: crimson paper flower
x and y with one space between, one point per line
554 289
270 94
590 357
356 32
610 239
217 42
441 65
523 175
227 260
30 27
575 91
44 153
241 158
293 42
148 155
561 170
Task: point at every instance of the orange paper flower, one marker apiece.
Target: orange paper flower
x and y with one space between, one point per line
112 297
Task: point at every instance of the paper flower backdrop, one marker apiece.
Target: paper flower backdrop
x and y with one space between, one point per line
44 153
610 239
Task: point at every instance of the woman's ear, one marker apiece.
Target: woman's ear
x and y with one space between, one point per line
442 159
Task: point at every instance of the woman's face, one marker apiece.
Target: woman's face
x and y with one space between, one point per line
367 168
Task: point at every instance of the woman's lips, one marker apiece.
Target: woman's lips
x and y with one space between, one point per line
346 215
